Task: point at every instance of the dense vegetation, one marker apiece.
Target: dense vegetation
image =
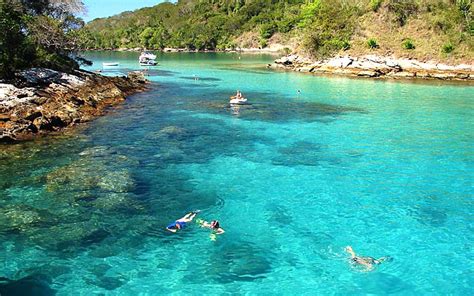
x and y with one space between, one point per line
319 27
47 33
38 33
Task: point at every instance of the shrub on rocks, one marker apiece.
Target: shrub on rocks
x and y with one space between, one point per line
372 43
447 48
375 4
408 44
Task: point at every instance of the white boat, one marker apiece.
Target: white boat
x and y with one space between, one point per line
147 55
147 59
241 101
110 64
145 62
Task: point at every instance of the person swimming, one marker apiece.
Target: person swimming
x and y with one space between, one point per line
367 262
181 223
214 226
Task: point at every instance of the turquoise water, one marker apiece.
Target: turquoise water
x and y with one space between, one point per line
383 166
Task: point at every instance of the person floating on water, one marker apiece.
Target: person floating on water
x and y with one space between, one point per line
367 262
215 227
238 96
181 223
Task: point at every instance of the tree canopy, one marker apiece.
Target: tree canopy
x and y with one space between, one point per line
39 33
322 27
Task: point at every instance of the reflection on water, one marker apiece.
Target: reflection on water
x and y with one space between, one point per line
292 178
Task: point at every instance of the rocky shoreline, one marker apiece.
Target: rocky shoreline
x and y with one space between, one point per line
48 101
275 50
376 67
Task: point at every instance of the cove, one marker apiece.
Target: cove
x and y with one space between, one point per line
383 166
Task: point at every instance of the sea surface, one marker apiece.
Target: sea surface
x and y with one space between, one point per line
386 167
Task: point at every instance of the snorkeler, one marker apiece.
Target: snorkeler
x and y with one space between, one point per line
214 226
367 262
181 223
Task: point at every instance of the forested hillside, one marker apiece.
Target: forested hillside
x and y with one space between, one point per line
418 28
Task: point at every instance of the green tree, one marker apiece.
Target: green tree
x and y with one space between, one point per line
41 33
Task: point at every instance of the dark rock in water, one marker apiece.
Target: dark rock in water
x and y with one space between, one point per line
299 153
383 283
35 285
138 76
239 261
429 215
110 283
279 215
100 269
267 107
95 237
107 282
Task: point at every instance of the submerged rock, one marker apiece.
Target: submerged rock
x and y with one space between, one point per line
239 261
111 201
18 217
99 169
67 237
119 181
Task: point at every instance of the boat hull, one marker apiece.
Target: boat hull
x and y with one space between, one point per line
110 64
238 102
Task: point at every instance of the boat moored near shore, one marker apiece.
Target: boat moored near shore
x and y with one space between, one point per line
112 64
147 59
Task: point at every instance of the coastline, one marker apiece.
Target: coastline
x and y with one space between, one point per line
366 66
48 101
279 50
377 67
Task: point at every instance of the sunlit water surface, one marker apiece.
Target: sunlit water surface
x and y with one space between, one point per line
383 166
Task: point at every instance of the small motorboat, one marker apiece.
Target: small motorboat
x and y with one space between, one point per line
147 55
110 64
147 59
241 101
146 62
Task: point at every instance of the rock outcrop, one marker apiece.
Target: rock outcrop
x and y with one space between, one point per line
49 101
376 66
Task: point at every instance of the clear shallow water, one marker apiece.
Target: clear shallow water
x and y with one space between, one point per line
386 167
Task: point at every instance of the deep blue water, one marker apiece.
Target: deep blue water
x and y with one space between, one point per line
383 166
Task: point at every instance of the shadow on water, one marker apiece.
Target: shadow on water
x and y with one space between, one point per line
303 153
238 261
267 107
199 78
108 283
238 67
35 285
299 153
148 71
380 283
279 215
161 73
430 212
